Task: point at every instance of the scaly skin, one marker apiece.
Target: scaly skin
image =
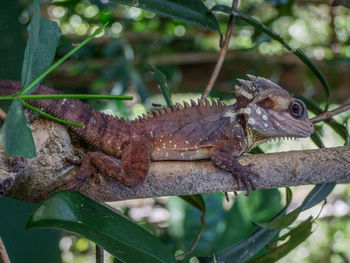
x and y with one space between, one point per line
203 130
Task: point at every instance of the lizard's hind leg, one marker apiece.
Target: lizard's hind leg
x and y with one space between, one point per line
92 164
100 165
131 171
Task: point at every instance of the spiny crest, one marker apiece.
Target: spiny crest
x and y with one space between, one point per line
250 88
179 107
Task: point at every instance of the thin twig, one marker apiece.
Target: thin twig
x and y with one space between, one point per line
4 257
2 115
329 114
99 254
222 53
195 242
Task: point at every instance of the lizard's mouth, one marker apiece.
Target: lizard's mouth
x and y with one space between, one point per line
255 138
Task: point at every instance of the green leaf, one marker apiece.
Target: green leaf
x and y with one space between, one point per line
345 3
315 137
300 54
317 195
248 247
281 221
296 237
41 47
196 201
268 31
193 11
16 135
61 60
160 78
74 212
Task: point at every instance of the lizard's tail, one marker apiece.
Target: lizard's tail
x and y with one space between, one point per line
95 123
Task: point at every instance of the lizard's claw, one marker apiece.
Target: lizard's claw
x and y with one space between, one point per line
243 177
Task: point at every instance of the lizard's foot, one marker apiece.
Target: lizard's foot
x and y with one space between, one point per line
242 174
224 155
243 177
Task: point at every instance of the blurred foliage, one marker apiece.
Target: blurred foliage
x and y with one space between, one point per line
23 246
117 63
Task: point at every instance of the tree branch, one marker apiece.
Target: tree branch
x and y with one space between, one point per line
36 176
329 114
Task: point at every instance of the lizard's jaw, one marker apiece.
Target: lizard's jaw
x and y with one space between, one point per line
255 138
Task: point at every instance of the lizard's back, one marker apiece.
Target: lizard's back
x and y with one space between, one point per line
188 133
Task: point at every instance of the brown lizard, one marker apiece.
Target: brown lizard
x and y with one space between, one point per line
202 130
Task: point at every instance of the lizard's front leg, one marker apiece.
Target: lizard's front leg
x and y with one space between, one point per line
224 155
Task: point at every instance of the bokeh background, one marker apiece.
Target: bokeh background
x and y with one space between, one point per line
117 62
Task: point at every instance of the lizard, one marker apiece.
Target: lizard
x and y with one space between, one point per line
207 129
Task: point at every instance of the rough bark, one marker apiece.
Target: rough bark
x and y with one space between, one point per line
32 180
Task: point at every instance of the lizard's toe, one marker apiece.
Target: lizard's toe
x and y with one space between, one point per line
243 177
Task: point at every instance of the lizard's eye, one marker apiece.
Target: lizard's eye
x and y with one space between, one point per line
297 109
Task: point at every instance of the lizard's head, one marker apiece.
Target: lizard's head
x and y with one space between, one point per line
270 111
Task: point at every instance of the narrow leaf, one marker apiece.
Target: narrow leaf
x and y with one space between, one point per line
196 201
61 60
193 11
317 195
48 115
160 78
282 222
16 135
300 54
296 237
316 138
268 31
140 85
247 248
74 212
41 47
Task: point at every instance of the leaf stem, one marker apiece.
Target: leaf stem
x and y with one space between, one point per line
195 242
66 96
4 257
48 115
61 60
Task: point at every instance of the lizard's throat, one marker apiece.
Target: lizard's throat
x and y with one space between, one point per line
255 138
